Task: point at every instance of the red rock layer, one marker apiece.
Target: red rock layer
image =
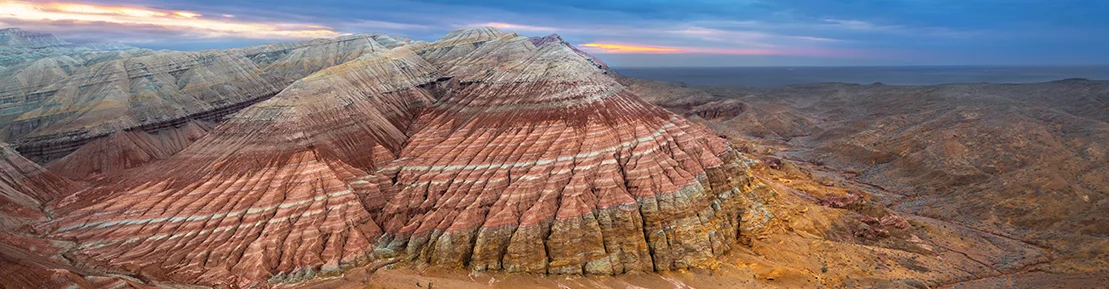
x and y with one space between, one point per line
544 164
24 188
127 149
17 210
21 176
24 263
28 262
276 193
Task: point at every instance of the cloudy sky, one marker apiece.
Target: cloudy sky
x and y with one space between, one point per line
626 33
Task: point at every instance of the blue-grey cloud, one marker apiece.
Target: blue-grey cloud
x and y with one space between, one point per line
708 32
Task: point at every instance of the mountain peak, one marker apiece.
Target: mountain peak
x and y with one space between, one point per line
472 32
540 40
554 37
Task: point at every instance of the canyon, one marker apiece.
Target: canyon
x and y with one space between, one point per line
490 159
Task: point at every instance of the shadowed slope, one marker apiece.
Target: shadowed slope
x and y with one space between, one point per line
25 187
273 193
27 261
20 176
127 149
47 120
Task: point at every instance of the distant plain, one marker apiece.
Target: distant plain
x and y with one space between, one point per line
765 77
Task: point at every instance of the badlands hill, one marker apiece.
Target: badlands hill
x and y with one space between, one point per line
481 159
480 150
1025 161
122 109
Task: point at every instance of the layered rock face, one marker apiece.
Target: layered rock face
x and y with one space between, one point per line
28 261
478 151
24 188
544 164
127 149
54 106
280 188
17 174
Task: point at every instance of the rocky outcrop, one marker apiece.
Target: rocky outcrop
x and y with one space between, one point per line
478 151
539 41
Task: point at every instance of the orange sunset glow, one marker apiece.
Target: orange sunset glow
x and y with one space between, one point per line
511 26
189 21
649 49
628 48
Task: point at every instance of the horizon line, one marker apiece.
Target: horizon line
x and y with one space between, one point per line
1105 65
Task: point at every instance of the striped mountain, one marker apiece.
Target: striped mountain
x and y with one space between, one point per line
146 104
482 150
